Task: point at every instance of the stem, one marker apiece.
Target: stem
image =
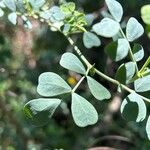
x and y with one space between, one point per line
77 85
130 51
145 65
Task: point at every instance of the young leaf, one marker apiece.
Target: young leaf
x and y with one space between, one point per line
72 62
106 28
134 29
90 40
133 108
115 9
10 4
50 84
13 18
83 112
38 111
138 52
148 127
67 8
97 90
118 50
142 84
125 72
145 11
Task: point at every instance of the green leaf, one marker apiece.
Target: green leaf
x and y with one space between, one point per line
104 28
71 62
1 12
83 112
115 9
134 29
138 52
12 17
50 84
125 72
148 127
142 84
67 8
133 108
10 4
145 13
38 111
90 40
98 90
118 50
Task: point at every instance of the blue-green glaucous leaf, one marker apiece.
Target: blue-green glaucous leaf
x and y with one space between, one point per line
98 90
125 72
10 4
133 108
106 28
38 111
148 127
83 112
115 9
50 84
138 52
72 62
142 84
36 4
90 40
12 17
134 29
117 50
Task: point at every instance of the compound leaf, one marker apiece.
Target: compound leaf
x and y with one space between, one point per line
50 84
83 112
98 90
38 111
72 62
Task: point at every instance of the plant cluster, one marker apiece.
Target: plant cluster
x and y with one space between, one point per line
67 20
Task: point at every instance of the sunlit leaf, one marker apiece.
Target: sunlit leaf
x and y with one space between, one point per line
117 50
10 4
142 84
50 84
115 9
98 90
72 62
134 29
38 111
133 108
125 72
83 112
90 40
148 127
13 18
106 28
138 52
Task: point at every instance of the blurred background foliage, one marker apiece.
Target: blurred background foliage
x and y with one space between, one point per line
25 54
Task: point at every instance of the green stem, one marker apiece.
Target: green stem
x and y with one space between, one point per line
130 51
145 65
